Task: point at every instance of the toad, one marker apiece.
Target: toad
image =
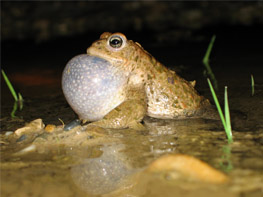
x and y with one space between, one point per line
149 87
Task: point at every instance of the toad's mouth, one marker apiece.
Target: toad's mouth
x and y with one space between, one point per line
110 58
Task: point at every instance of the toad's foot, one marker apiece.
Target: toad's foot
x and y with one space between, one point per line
129 114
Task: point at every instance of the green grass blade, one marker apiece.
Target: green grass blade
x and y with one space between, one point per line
252 86
209 49
206 62
14 110
217 104
20 100
9 85
227 118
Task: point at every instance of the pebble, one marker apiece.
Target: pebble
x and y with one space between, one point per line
21 138
35 125
50 128
30 148
8 133
72 124
189 166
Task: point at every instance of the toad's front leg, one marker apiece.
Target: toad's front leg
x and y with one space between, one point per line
128 114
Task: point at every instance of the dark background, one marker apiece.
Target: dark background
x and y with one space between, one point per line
53 31
38 38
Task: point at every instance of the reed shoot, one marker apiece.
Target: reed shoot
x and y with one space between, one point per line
224 118
206 62
252 86
18 97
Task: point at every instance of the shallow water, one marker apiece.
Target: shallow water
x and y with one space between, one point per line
99 162
110 162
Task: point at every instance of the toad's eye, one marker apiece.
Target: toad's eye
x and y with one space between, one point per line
115 41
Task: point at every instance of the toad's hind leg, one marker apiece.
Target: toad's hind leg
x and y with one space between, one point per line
129 114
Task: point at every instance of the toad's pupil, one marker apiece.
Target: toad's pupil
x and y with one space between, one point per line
116 42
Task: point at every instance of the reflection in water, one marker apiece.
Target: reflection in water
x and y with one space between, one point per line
103 174
226 163
110 171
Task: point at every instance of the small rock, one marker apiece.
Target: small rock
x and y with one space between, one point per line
22 130
72 124
35 126
50 128
30 148
21 138
8 133
189 166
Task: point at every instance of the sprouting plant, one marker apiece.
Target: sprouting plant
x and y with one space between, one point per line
224 118
252 86
206 62
18 97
